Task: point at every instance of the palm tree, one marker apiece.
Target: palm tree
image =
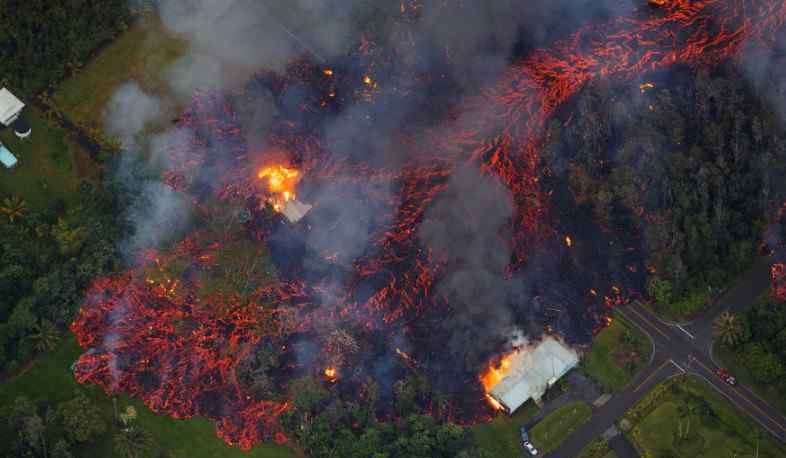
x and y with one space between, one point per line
44 336
133 442
14 208
728 328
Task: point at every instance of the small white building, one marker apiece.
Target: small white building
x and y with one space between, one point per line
10 107
532 371
294 210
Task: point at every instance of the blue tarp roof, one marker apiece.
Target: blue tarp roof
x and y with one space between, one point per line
6 157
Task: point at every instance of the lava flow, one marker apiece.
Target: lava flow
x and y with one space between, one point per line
162 333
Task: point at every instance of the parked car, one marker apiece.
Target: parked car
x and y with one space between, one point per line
526 443
530 448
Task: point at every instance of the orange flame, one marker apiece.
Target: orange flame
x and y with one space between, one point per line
494 403
494 374
568 241
281 184
331 373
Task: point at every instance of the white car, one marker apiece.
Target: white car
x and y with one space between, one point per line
530 448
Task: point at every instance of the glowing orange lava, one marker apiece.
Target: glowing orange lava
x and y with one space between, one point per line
281 184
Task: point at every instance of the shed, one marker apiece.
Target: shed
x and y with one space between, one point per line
10 107
532 371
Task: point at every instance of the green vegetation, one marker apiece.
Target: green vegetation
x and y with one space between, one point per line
617 353
686 176
141 53
44 39
501 437
50 163
87 421
599 448
686 417
752 345
549 433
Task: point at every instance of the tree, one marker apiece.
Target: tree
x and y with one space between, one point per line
14 208
133 442
728 328
81 418
661 290
69 239
44 336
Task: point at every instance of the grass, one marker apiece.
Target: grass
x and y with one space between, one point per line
599 448
50 165
500 437
723 431
140 54
549 433
604 363
50 380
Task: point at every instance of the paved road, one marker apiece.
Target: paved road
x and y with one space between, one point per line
679 349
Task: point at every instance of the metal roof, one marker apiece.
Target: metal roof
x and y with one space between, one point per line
10 107
532 371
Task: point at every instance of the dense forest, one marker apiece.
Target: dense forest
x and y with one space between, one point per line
689 161
42 40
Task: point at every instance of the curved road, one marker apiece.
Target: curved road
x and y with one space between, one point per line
678 349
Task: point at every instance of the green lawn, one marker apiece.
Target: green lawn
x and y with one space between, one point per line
720 431
50 380
501 437
549 433
50 164
605 362
141 53
599 448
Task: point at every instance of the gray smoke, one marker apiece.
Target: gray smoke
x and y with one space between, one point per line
465 228
128 111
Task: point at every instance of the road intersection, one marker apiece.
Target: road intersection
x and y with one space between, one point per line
683 348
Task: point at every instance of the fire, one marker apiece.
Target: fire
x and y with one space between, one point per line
494 374
327 72
568 241
281 184
644 86
367 80
331 374
494 403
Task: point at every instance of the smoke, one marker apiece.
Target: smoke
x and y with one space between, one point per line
464 227
128 111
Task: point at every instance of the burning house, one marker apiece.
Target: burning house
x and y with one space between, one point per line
528 372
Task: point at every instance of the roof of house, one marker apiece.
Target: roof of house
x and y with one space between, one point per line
6 158
295 210
532 370
10 106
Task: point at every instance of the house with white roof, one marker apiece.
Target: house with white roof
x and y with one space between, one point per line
532 371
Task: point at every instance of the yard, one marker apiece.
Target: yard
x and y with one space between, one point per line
141 53
617 353
51 164
599 448
688 418
50 379
500 437
549 433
